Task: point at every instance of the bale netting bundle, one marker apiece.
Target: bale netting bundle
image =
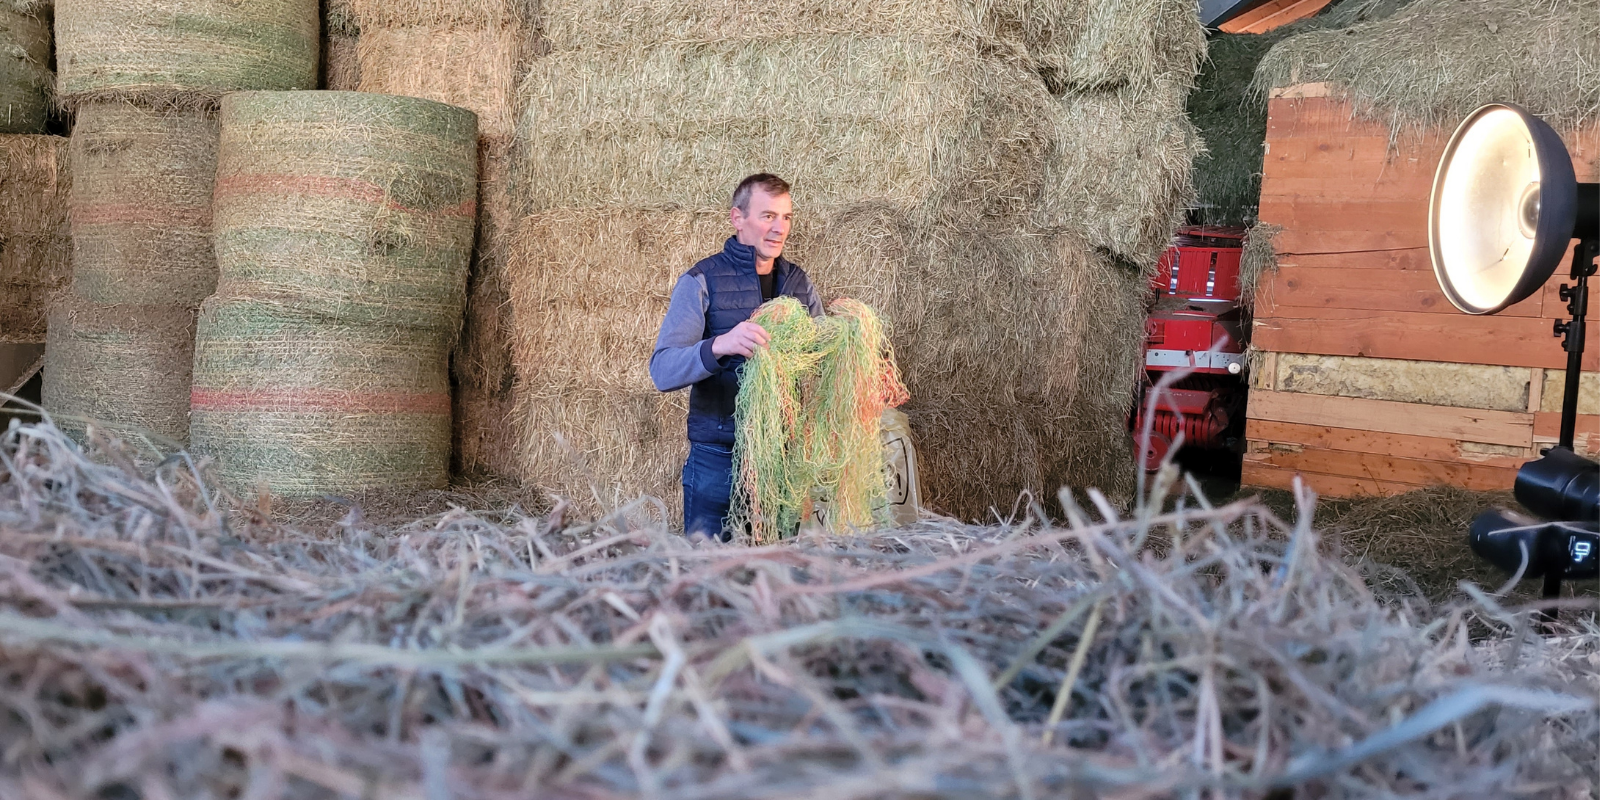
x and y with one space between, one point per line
292 404
124 368
141 204
25 77
359 207
809 420
183 52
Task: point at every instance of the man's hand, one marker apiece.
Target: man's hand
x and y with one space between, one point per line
741 341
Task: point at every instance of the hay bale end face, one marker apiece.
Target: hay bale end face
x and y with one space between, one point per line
369 14
183 52
355 206
299 406
476 68
141 205
25 77
124 368
35 251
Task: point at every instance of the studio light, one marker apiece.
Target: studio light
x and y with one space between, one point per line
1506 205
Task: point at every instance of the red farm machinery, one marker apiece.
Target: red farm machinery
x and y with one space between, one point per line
1196 328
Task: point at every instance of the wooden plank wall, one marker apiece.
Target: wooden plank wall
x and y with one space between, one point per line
1370 382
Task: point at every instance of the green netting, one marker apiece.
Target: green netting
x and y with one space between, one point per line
809 415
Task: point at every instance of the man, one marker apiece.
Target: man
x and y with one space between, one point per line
707 335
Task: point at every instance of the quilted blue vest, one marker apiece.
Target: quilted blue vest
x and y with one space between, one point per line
734 291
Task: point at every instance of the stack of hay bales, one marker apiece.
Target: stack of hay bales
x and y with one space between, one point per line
344 225
471 55
994 176
340 70
35 250
25 77
144 80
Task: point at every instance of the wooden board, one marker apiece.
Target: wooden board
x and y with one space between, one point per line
1389 468
1433 383
1456 338
1380 289
1271 477
1510 428
1404 445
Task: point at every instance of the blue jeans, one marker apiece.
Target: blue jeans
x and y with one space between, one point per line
707 487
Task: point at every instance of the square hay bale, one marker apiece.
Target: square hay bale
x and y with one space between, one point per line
933 124
475 67
1020 350
35 179
1074 44
368 14
35 270
1120 173
483 435
35 251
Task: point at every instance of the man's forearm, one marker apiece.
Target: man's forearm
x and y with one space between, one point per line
682 356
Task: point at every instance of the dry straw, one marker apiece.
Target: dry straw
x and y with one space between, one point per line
295 406
359 207
124 369
183 52
35 271
141 204
341 69
163 640
25 77
1434 61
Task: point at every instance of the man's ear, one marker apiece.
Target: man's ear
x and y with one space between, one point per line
735 216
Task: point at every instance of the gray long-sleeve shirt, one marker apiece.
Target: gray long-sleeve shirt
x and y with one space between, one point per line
683 352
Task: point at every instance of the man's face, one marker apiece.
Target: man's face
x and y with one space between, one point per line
766 226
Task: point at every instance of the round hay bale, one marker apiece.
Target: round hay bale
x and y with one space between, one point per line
184 52
25 77
359 207
126 368
288 402
141 205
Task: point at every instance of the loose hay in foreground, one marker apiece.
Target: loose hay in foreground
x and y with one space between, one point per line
161 641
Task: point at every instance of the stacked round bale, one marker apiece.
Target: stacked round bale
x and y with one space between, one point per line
995 176
468 54
35 250
144 79
25 76
344 226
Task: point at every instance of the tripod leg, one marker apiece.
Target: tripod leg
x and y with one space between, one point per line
1552 591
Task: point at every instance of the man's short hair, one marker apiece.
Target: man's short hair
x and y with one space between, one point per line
769 183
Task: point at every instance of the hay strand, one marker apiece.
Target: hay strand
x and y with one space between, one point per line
359 207
188 53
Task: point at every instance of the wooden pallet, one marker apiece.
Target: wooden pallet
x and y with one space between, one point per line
1370 382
